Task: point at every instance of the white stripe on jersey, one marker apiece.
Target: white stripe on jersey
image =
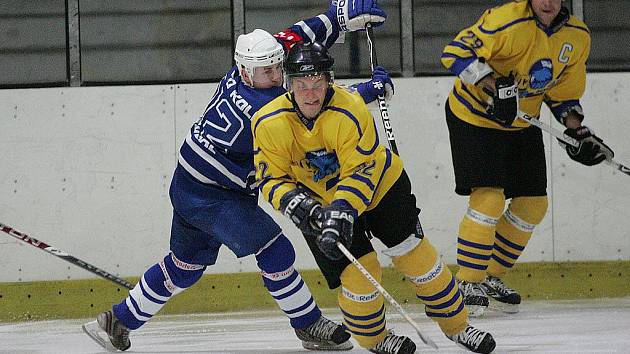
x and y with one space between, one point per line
201 178
329 26
214 100
307 30
212 161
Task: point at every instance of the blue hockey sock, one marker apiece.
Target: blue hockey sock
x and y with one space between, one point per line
285 284
157 285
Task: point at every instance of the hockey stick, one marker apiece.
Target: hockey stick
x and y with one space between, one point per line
382 107
63 255
382 104
385 294
567 139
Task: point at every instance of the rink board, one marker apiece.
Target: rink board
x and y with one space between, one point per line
245 291
87 170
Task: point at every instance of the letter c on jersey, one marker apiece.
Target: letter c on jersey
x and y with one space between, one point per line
563 57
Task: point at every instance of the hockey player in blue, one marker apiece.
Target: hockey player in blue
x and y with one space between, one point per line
214 195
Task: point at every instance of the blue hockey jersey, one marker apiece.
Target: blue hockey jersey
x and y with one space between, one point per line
219 148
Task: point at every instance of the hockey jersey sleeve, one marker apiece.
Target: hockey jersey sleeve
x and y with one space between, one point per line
363 161
273 168
565 95
322 28
475 45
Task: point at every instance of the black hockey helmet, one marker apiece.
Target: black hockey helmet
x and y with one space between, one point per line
306 60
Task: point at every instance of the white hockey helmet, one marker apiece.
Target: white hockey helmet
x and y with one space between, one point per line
257 49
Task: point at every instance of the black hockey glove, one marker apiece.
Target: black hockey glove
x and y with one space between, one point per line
337 223
303 210
504 101
591 150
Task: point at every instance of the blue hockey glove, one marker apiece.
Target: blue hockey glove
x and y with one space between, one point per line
591 151
353 15
337 222
303 210
381 84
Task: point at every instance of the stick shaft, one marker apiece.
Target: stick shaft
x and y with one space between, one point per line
567 139
382 104
382 107
386 295
63 255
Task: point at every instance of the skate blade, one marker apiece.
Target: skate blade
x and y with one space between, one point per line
94 331
503 307
475 310
327 346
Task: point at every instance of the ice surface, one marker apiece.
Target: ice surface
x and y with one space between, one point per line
581 326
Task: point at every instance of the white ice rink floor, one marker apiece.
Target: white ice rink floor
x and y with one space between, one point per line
593 326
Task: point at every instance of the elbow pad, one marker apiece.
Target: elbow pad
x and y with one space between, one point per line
476 71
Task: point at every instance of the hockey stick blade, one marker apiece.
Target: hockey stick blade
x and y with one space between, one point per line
567 139
65 256
426 340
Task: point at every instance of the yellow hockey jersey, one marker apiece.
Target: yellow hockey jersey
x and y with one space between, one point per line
549 64
337 156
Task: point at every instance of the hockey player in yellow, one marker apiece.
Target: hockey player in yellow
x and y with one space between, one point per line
317 145
514 58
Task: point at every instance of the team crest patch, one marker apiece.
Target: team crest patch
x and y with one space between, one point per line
325 163
540 74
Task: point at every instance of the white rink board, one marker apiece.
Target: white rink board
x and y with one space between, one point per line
87 171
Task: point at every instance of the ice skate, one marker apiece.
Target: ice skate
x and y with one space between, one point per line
108 332
324 334
475 298
508 299
475 340
393 344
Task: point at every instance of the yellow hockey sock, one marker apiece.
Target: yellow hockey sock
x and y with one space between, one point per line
514 231
435 287
361 304
476 233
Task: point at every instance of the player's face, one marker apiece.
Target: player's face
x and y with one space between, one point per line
546 10
267 76
309 93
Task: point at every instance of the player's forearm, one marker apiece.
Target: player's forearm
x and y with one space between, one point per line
351 198
272 190
323 29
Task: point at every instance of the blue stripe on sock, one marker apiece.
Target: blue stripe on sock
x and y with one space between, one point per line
448 314
472 265
366 317
290 292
